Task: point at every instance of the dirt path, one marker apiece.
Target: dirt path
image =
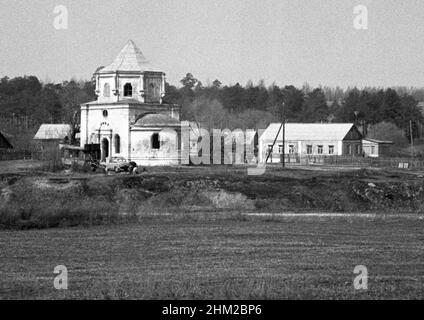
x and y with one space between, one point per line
335 215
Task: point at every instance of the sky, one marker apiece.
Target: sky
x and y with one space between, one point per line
286 42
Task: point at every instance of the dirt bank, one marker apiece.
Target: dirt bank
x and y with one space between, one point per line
63 200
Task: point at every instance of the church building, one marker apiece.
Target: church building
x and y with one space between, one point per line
129 119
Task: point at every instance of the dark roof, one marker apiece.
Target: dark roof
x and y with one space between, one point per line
378 141
4 143
156 120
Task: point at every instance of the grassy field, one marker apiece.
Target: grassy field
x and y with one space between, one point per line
180 232
200 256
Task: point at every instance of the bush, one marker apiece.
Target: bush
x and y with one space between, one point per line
86 212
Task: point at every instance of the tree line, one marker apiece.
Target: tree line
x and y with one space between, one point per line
29 102
255 106
225 106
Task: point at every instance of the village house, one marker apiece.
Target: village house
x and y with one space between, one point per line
376 148
310 139
129 118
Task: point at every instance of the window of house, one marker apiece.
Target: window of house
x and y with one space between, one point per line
270 148
117 143
372 149
127 90
358 149
280 148
320 149
155 142
309 149
106 90
330 149
291 149
349 149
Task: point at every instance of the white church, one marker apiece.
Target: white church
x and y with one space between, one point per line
128 119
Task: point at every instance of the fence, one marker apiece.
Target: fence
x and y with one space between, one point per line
402 163
15 155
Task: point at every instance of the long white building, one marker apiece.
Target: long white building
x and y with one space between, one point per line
310 139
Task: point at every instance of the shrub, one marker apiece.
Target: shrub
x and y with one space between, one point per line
50 214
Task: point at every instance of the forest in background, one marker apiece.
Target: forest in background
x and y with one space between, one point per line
385 113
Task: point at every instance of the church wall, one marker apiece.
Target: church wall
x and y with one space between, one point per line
110 80
116 122
153 88
136 83
143 153
139 82
83 126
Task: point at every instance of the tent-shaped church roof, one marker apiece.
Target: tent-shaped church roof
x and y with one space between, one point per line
129 59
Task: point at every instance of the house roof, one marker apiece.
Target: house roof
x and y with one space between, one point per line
378 141
4 143
53 132
156 120
130 58
308 131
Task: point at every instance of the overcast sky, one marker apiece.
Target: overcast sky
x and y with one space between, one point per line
289 42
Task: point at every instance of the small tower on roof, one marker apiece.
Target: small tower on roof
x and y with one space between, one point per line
130 77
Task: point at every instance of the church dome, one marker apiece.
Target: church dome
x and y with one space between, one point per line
156 120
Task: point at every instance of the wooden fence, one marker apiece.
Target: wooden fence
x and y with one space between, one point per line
17 155
401 163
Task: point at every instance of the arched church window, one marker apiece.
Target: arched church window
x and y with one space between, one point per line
155 142
117 143
106 90
127 90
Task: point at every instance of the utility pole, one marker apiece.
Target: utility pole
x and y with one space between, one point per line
284 134
412 139
283 118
